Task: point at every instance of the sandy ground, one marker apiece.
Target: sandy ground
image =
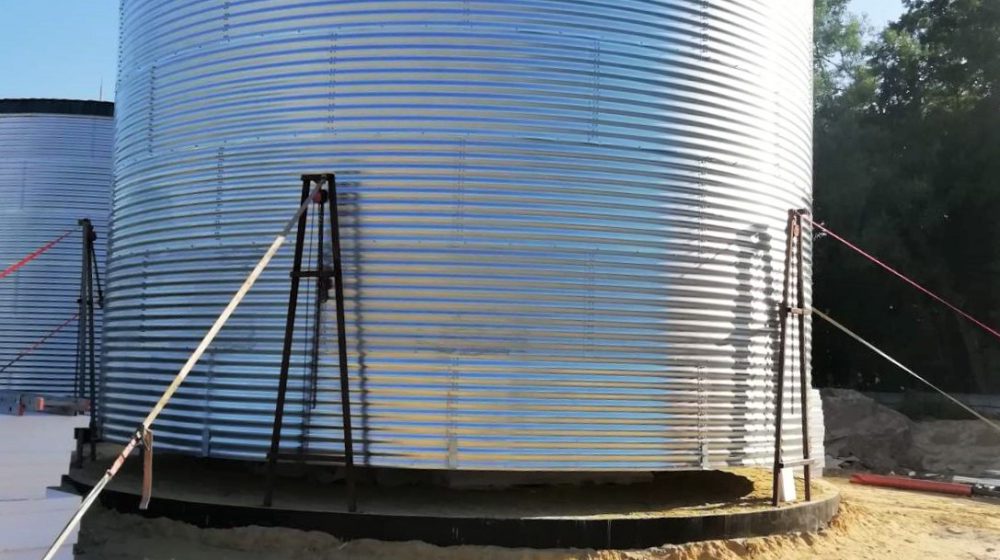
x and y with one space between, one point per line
874 523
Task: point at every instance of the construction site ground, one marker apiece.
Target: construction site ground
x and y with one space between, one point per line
873 523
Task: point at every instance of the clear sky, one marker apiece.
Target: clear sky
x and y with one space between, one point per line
58 48
65 48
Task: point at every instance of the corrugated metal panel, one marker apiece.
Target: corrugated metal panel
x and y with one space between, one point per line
54 170
563 220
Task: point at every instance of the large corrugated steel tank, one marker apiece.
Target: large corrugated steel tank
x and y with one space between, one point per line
563 225
55 169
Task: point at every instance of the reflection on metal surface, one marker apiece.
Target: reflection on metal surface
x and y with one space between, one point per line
563 224
55 168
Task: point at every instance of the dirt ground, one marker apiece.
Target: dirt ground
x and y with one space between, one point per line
873 523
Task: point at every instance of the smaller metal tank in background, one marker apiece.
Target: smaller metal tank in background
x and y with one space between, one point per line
55 169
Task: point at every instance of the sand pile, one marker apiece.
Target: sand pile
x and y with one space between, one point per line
862 434
861 431
968 447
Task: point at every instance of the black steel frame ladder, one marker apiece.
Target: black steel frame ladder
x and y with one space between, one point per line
322 274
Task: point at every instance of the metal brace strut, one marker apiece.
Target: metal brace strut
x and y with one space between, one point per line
147 468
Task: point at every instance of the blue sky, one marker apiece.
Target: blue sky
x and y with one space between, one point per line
58 48
65 48
879 12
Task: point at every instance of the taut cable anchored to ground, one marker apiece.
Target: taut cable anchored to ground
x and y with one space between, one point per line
34 346
33 255
143 429
919 287
896 363
794 235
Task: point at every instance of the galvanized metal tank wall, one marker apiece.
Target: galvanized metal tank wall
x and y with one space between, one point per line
55 168
563 220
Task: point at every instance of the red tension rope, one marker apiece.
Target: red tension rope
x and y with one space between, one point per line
38 343
901 276
13 268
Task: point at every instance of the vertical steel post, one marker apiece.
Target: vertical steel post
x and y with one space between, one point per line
81 333
803 381
780 372
86 374
322 296
90 236
97 273
81 314
345 386
286 352
77 384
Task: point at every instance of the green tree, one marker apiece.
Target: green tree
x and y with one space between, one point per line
907 163
838 52
846 169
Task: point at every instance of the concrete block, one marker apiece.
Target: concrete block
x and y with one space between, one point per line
786 486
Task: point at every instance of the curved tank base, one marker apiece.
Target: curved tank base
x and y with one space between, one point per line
635 512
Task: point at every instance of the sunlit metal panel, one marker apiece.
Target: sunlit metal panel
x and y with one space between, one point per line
563 224
55 169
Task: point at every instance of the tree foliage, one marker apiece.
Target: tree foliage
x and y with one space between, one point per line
838 48
907 163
